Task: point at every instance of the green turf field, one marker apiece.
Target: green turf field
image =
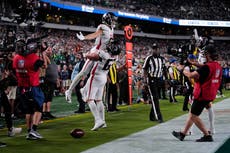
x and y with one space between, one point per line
56 132
225 148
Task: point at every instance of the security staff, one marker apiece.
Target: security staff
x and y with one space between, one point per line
112 88
174 80
77 68
188 83
153 70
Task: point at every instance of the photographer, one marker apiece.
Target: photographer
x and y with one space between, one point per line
207 81
27 64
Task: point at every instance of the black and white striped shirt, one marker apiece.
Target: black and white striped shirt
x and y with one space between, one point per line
154 66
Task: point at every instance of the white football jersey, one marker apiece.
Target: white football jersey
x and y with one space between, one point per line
106 61
94 87
105 38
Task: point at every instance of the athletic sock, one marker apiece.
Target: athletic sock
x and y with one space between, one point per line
101 110
34 127
211 117
94 110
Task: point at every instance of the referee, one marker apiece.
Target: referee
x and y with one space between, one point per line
153 70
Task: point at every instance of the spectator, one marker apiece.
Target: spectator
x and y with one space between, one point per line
77 68
64 78
50 83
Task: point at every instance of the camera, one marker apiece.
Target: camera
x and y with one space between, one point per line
181 52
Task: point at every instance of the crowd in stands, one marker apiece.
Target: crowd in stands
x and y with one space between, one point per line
203 10
64 42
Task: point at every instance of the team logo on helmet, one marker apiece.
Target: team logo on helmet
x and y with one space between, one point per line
110 19
113 47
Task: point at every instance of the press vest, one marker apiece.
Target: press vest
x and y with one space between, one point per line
208 90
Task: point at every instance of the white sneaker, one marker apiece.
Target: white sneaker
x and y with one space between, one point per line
68 95
35 134
223 96
98 125
14 131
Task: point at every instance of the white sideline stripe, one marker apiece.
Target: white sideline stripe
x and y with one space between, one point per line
158 139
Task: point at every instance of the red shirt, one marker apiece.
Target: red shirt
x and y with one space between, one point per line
21 72
31 59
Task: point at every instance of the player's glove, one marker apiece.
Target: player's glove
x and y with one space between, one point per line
80 36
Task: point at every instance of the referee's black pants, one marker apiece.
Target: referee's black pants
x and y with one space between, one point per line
153 84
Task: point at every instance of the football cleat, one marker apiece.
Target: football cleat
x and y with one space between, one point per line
98 125
104 126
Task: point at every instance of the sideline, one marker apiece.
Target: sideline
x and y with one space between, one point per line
158 139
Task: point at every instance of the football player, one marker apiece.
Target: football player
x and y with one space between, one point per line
93 90
103 35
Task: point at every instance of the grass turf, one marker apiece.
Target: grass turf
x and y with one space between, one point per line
57 139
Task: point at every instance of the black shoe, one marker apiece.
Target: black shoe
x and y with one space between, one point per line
205 138
44 116
50 116
160 121
117 110
185 109
178 135
79 112
153 119
2 144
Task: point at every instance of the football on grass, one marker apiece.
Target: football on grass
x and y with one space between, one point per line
77 133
